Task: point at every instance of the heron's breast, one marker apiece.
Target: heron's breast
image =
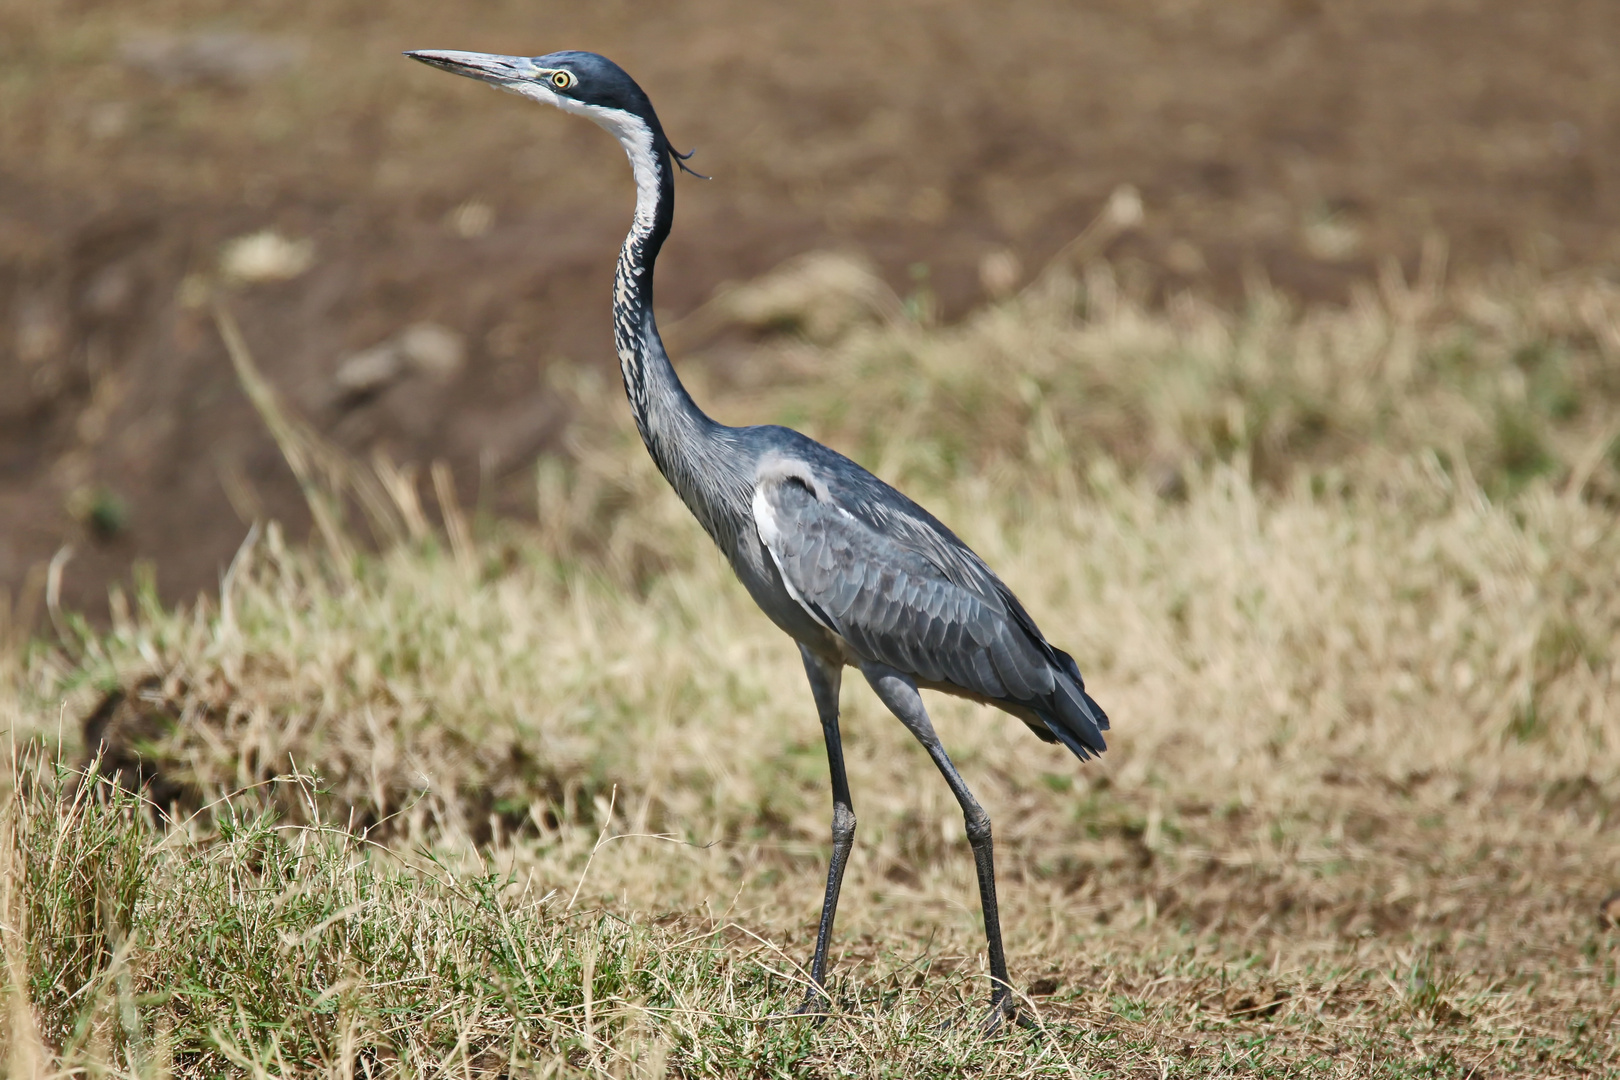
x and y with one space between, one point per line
758 574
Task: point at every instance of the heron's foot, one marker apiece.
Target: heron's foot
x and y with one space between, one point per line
816 1007
1002 1010
1003 1014
816 1004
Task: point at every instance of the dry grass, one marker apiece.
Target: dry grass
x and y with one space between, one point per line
1358 642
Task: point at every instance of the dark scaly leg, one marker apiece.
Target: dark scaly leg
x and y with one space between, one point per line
825 680
899 693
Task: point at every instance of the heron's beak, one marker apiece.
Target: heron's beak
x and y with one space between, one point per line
485 67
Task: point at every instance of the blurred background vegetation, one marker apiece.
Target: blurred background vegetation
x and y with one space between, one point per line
149 150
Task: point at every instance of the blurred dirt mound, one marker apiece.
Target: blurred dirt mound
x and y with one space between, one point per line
344 196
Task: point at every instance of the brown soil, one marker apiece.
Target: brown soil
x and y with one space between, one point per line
1307 141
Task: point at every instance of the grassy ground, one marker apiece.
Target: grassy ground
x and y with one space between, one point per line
552 800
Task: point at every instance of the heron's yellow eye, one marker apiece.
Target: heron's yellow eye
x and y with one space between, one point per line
561 80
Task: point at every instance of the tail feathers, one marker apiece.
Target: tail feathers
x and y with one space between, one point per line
1072 715
1073 669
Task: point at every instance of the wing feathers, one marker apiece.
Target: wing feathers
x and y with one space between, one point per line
944 624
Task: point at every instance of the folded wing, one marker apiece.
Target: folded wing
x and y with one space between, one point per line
894 604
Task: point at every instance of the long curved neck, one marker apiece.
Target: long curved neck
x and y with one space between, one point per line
671 425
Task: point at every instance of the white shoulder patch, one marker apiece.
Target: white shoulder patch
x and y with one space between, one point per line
774 468
773 471
765 521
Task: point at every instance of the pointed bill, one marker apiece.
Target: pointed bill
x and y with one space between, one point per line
485 67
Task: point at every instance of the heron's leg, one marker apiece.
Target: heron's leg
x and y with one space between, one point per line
825 680
899 692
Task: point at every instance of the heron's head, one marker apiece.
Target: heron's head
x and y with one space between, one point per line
576 82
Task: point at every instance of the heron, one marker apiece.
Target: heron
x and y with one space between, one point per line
852 570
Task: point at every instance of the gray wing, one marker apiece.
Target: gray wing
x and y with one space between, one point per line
891 602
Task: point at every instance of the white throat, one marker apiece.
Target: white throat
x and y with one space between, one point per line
631 131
